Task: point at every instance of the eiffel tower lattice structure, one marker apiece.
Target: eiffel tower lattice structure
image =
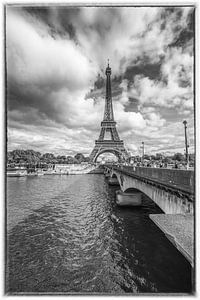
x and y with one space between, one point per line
109 140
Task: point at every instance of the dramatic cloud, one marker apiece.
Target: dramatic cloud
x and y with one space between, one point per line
56 59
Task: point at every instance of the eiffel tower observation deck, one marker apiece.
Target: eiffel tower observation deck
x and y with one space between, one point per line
109 140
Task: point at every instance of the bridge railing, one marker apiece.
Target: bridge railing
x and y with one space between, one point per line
175 177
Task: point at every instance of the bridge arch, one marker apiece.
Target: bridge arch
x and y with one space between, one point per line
132 190
128 187
114 176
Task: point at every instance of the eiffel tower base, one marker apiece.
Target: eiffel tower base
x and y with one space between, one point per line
115 147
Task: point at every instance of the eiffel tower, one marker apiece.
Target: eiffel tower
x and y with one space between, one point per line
109 140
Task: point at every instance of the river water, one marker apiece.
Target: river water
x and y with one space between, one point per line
65 234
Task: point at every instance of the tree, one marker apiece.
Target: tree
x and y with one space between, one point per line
49 158
69 159
158 156
178 157
79 157
61 159
75 161
87 159
192 157
167 160
31 157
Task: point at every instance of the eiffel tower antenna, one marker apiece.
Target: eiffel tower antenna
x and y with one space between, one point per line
109 140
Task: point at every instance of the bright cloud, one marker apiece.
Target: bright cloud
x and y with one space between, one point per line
41 60
55 56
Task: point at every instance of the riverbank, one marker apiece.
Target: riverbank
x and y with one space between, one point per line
71 169
179 229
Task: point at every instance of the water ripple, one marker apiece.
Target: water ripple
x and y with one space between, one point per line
67 235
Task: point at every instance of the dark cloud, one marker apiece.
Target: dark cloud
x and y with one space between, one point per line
170 114
99 89
100 82
148 70
166 13
186 34
29 116
66 18
59 20
41 13
132 105
63 21
25 98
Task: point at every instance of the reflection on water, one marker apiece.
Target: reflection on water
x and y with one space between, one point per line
65 234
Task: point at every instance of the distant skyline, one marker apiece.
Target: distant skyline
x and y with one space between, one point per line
56 60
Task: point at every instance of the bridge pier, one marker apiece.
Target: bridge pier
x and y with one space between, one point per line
113 181
128 199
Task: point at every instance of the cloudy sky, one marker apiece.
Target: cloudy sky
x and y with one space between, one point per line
56 60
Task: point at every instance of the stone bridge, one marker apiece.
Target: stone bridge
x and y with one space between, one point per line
173 191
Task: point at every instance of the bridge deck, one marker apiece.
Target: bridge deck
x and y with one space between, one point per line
187 189
179 229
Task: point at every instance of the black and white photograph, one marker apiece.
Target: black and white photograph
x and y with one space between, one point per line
100 149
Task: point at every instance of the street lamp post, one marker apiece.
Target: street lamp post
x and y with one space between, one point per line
142 152
186 144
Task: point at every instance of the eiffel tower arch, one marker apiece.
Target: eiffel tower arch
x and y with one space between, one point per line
109 140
